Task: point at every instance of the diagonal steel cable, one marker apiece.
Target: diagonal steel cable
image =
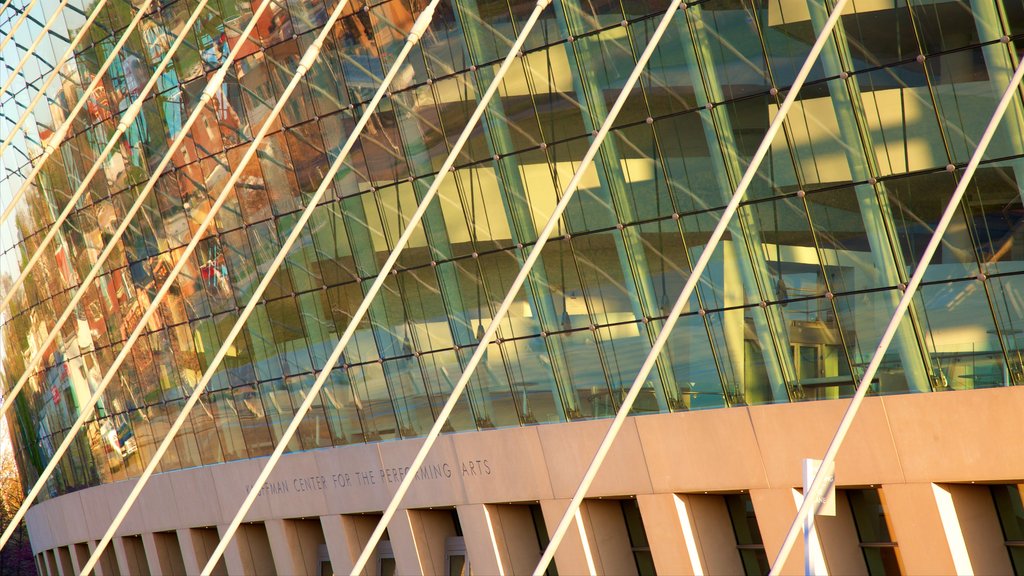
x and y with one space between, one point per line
208 94
306 62
653 40
58 136
570 514
820 478
446 167
83 32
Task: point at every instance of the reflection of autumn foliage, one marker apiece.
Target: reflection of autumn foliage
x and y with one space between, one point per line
16 557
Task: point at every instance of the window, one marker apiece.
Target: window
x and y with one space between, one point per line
455 560
1011 517
541 529
748 535
323 561
880 551
385 556
637 538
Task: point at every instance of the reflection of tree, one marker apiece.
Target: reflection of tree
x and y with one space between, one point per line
16 557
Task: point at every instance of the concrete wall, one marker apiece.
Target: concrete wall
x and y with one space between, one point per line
922 451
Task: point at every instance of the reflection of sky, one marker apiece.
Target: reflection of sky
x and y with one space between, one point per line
12 105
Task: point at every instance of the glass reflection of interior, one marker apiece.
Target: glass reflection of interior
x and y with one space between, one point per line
791 307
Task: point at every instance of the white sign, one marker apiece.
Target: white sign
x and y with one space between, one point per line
826 497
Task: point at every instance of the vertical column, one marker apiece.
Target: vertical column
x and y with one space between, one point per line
613 553
714 534
518 212
771 330
107 566
192 551
670 531
518 544
51 562
598 542
871 199
917 528
237 557
574 555
157 564
234 562
284 547
775 509
482 546
131 556
970 507
418 539
345 535
64 561
608 164
838 537
954 532
79 556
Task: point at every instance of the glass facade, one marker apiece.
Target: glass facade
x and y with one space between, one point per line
795 299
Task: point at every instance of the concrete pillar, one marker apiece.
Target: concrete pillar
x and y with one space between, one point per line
79 556
163 553
51 563
597 542
968 513
234 562
482 546
345 536
916 527
157 565
418 538
670 531
610 537
248 552
284 547
775 510
403 542
191 548
131 556
714 534
516 537
839 540
574 555
197 544
107 566
64 561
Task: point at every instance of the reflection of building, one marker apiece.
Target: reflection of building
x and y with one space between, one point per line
793 302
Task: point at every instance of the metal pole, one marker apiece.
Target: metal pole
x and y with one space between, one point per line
915 280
